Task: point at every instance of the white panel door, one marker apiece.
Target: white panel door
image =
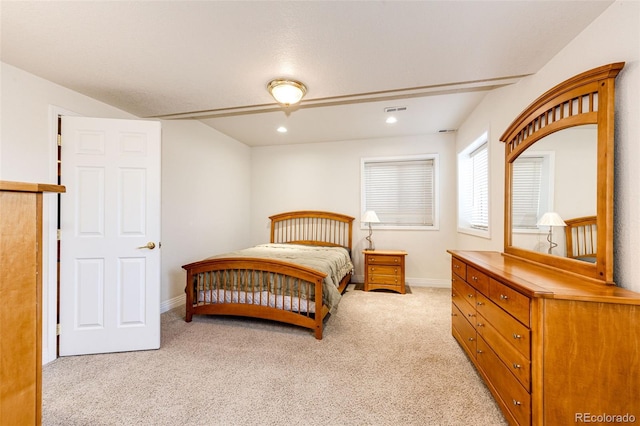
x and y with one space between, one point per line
110 234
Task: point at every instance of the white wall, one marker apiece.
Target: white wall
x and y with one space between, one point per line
205 178
326 176
205 199
612 37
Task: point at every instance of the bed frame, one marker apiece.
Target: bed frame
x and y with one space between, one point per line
299 227
581 237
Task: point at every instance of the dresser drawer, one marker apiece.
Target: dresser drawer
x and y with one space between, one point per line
460 290
459 268
478 279
466 309
516 398
517 304
507 326
516 362
463 331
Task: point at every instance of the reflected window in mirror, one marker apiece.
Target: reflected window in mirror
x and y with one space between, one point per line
557 173
473 188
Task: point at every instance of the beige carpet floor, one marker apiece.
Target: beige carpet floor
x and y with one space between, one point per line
385 359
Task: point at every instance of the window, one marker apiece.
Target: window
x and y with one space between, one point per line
531 189
401 190
473 188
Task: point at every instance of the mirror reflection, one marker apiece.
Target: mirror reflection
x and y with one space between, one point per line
557 174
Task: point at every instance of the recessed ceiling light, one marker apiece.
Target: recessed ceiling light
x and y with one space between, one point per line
391 120
282 129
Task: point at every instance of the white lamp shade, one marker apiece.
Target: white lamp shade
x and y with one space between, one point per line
551 219
287 92
370 217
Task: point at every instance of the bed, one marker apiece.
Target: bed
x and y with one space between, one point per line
298 278
581 238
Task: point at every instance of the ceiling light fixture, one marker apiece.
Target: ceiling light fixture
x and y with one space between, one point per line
391 120
282 129
287 92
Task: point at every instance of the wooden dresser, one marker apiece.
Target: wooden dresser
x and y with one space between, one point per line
554 348
21 296
384 269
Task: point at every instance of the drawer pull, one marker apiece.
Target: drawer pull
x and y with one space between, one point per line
470 296
471 315
471 339
503 297
453 314
479 351
516 402
479 303
516 366
456 266
395 260
517 336
480 324
474 278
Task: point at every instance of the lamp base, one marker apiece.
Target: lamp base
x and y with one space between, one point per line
372 246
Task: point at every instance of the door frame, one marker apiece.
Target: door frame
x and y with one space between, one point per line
50 246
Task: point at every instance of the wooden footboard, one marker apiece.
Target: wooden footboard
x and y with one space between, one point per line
260 288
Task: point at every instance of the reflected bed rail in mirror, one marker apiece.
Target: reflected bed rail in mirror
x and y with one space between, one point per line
581 236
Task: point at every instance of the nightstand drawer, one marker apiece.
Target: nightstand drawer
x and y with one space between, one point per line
385 260
385 270
384 279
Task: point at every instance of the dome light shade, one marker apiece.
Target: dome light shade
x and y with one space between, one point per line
287 92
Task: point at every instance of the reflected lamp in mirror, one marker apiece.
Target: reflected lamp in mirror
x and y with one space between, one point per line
370 217
551 219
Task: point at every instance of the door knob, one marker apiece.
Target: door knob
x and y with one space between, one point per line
150 245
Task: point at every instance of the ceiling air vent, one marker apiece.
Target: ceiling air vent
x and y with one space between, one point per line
395 109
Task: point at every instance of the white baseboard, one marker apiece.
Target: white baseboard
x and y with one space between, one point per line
170 304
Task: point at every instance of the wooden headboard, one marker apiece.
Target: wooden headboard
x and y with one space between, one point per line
312 228
581 236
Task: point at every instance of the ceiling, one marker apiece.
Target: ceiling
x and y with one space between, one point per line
212 60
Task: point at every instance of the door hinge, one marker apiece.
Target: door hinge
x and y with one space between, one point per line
58 235
59 140
58 330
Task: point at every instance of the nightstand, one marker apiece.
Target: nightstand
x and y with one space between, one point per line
384 269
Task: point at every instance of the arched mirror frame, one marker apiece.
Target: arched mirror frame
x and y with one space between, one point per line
587 98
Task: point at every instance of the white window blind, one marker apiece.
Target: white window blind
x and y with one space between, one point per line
480 190
526 190
401 192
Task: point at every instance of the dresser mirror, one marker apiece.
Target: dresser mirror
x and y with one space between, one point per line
559 177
